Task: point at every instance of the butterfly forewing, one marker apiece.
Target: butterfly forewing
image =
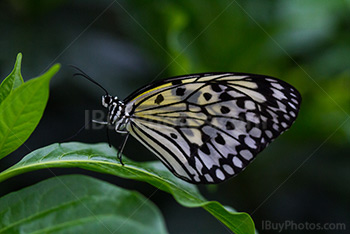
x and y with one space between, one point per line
207 128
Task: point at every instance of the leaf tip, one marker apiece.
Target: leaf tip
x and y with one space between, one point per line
18 63
19 57
54 69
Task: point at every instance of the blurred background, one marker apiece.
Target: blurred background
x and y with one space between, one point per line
303 176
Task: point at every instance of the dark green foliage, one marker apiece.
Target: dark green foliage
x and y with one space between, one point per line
78 204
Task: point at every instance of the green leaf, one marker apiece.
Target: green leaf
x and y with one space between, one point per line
12 81
78 204
101 158
22 110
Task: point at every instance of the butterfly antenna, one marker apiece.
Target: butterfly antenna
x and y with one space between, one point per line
83 74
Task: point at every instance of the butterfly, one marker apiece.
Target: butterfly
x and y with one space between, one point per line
206 128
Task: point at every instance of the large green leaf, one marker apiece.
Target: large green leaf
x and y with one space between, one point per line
101 158
12 81
78 204
22 109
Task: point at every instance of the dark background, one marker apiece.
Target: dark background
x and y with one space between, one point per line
302 177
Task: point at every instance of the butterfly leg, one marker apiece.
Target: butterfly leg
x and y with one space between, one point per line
121 148
108 139
100 122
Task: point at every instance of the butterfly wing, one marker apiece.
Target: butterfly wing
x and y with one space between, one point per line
207 128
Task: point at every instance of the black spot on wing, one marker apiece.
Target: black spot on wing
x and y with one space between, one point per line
193 149
173 135
192 161
207 96
180 91
219 139
205 137
205 149
230 125
240 102
224 109
176 82
159 99
225 97
216 87
183 120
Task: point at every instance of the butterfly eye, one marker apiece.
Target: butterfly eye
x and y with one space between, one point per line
106 100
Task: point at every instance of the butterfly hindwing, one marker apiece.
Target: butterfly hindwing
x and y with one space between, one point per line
207 128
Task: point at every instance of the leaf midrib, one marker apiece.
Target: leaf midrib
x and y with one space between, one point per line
30 217
86 219
52 162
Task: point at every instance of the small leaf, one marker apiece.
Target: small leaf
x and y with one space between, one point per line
22 110
101 158
78 204
12 81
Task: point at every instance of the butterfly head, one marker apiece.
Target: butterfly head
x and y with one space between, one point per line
107 100
115 109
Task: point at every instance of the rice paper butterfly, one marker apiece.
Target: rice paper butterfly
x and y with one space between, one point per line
205 128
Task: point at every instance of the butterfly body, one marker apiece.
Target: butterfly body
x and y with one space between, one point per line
208 127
